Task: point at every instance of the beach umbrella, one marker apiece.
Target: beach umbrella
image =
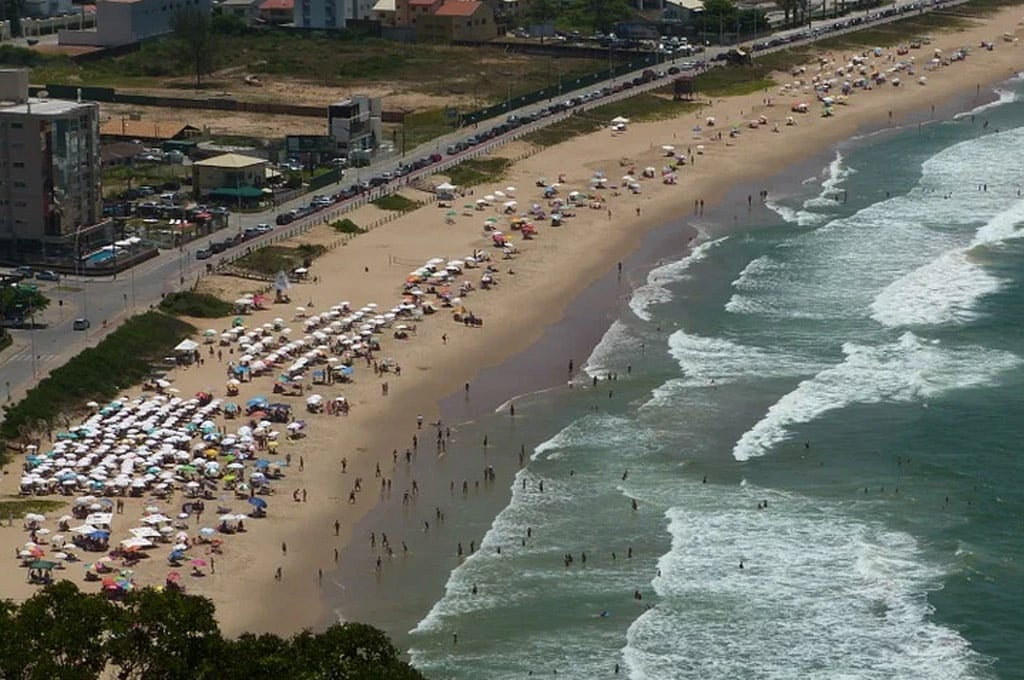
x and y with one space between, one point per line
197 562
257 502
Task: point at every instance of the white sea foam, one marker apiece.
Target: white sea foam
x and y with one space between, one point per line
948 288
1002 97
906 370
610 349
835 172
821 596
703 359
655 290
838 270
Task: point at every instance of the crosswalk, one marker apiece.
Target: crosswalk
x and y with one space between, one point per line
26 357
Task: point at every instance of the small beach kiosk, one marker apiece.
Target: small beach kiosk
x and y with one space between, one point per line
186 351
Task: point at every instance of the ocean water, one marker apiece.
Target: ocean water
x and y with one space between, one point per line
820 421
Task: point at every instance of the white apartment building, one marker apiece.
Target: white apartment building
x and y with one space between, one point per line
123 22
355 123
50 182
328 14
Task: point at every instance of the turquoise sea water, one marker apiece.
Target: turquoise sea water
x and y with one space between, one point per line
858 366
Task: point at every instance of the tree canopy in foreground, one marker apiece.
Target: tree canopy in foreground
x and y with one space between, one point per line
62 633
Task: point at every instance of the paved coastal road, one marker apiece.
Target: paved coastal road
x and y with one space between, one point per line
114 299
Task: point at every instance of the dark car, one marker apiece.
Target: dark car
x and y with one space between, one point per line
204 254
377 181
285 218
81 325
47 275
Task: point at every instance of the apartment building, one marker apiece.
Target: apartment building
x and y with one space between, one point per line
50 182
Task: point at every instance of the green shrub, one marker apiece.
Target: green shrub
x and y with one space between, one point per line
396 203
476 171
347 226
202 305
269 260
123 358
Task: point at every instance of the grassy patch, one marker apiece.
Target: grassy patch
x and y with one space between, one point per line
397 203
269 260
897 32
644 107
201 305
120 178
123 358
5 339
337 61
19 507
734 80
347 226
476 171
420 127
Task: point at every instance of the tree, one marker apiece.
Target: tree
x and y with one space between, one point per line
19 302
350 650
58 633
602 15
260 656
228 24
164 634
543 11
192 28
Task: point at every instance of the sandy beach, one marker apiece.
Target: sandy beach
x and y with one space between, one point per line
535 289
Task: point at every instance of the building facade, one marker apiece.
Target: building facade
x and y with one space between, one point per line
457 20
330 14
50 170
124 22
355 123
230 175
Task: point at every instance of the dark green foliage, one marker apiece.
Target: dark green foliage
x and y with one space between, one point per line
201 305
269 260
478 171
347 226
193 31
397 203
21 302
61 633
123 358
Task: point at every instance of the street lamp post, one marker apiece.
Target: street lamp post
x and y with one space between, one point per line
81 281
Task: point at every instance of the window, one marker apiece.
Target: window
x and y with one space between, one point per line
18 185
18 164
17 126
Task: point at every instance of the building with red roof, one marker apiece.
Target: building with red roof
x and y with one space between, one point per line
456 21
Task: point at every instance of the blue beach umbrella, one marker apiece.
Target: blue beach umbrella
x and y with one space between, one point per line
257 502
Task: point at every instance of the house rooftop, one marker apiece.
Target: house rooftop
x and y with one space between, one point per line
42 107
422 2
384 6
231 160
457 8
278 4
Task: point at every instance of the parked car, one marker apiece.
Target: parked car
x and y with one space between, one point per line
204 254
47 275
23 271
263 228
81 324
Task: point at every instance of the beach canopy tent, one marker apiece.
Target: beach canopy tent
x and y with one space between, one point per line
187 351
445 187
